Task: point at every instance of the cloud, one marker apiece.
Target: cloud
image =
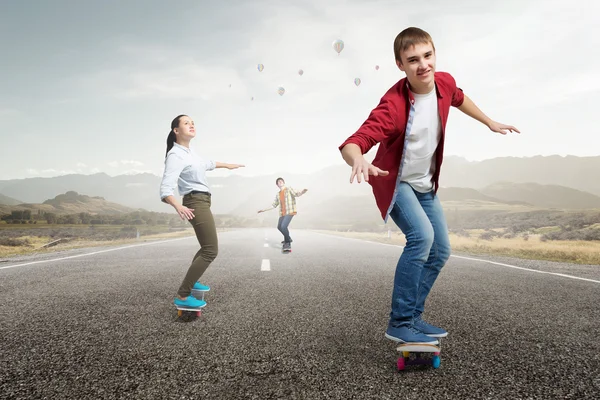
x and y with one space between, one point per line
7 112
135 172
132 162
81 165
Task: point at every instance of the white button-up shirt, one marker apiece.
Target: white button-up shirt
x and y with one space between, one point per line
185 170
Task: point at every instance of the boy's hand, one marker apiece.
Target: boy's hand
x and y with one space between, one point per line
234 166
362 166
501 128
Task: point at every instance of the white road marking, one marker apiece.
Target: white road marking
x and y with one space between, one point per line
95 252
265 265
473 259
528 269
266 244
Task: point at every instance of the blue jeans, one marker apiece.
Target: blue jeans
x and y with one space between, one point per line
282 226
421 218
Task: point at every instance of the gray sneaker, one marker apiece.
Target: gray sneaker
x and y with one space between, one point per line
428 329
408 334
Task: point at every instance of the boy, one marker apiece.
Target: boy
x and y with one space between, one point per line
286 200
409 123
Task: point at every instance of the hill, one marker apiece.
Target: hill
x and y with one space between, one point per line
70 203
235 194
8 201
569 171
543 196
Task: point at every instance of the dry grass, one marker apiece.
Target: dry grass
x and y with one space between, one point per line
578 252
36 243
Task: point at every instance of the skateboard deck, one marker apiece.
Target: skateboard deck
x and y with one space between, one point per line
189 312
424 354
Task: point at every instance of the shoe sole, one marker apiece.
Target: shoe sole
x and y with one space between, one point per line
440 335
188 307
395 339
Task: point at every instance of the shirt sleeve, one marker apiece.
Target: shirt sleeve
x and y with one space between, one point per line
210 165
276 202
378 126
293 192
174 165
457 94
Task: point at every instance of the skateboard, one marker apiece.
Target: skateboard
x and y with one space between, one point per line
189 310
419 351
188 314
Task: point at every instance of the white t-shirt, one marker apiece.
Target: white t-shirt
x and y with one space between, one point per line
423 139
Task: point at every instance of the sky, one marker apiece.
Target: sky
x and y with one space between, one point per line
89 86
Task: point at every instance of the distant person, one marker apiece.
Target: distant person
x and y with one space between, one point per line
286 200
185 170
409 124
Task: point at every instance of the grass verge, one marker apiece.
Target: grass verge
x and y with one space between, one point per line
577 252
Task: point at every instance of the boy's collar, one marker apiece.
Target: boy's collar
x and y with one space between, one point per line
411 97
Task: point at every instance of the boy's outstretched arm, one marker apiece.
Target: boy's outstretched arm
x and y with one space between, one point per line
469 108
273 206
378 126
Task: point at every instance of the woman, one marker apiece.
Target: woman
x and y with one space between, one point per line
186 170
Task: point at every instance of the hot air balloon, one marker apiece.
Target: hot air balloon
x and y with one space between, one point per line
280 90
252 99
300 72
357 81
338 46
377 68
260 67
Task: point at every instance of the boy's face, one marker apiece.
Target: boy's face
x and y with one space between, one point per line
280 184
418 62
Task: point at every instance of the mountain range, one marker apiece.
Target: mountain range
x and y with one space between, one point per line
70 203
547 182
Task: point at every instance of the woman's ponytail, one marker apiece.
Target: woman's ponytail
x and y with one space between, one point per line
170 141
171 138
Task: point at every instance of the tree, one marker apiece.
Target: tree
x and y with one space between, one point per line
50 218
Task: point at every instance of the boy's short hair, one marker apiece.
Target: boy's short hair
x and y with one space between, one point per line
410 37
279 179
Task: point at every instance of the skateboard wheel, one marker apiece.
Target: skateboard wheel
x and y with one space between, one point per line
179 312
406 354
198 313
400 364
436 361
437 353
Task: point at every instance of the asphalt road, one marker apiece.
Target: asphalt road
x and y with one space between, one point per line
307 325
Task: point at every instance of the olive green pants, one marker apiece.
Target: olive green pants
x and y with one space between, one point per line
206 232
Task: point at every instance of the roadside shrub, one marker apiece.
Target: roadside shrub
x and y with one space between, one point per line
4 241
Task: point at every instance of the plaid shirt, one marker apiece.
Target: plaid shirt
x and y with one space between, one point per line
286 200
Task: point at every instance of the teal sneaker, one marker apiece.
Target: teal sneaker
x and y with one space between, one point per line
190 302
200 287
428 329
